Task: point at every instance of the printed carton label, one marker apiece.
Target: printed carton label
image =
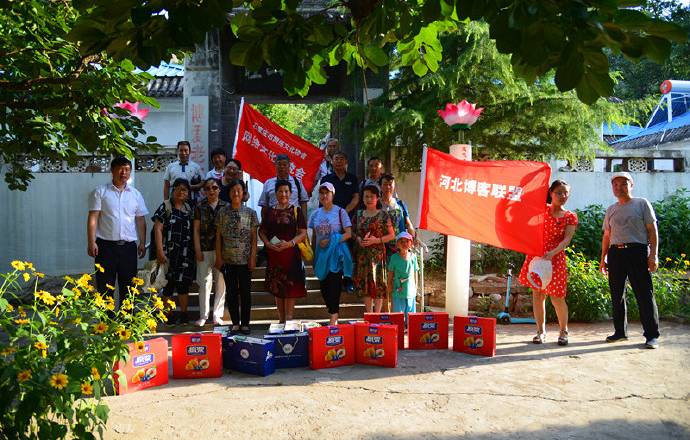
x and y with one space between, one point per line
143 360
429 326
196 350
473 330
373 340
332 341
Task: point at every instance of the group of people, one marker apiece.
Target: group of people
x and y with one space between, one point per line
361 240
629 252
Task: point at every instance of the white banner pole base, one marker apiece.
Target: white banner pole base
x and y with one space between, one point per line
458 261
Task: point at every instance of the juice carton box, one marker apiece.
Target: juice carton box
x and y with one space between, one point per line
474 335
147 366
249 355
397 319
427 331
376 344
331 346
196 355
290 350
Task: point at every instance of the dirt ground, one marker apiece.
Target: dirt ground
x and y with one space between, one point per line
588 390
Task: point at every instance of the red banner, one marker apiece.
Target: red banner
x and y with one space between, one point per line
499 203
259 140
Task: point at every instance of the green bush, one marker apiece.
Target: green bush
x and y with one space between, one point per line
587 238
589 299
673 218
496 260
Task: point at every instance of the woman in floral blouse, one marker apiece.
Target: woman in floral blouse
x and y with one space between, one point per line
236 239
282 227
372 230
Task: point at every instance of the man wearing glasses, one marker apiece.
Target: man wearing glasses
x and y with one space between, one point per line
116 216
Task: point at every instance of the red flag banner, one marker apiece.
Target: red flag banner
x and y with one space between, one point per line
259 140
499 203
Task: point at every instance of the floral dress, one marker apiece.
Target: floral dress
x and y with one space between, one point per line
554 233
370 274
397 211
284 275
178 246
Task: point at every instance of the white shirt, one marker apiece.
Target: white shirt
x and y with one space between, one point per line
213 174
174 171
118 211
268 196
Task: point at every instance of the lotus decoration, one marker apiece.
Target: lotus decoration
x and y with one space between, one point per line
133 109
461 116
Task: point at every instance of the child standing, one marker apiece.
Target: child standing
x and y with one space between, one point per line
402 268
218 158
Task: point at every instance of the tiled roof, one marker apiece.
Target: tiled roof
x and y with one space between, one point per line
665 132
168 82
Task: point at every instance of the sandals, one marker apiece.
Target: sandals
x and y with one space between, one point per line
563 338
540 338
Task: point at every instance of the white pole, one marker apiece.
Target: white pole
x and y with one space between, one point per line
458 260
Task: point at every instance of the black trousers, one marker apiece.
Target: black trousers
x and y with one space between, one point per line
631 264
238 279
119 262
330 291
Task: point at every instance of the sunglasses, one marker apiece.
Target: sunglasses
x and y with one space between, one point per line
212 188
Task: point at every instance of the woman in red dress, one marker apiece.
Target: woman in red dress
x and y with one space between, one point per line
559 228
282 228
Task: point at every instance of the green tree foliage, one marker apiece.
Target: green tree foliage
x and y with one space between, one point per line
311 122
568 37
642 79
52 97
519 120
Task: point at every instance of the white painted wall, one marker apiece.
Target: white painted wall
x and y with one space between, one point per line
595 188
166 122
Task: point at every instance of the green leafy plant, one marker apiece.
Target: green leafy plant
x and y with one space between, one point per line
673 218
493 259
587 238
58 351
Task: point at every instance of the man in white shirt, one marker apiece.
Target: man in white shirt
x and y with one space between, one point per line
326 166
185 169
116 216
298 195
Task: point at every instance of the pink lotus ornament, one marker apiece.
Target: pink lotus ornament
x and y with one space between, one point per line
460 116
133 109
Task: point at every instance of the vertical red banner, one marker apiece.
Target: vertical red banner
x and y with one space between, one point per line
259 140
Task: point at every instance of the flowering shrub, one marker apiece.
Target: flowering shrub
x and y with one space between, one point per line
58 351
589 299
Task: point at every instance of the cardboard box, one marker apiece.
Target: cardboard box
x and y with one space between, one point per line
196 355
397 319
474 335
376 344
427 331
249 355
290 350
331 346
147 366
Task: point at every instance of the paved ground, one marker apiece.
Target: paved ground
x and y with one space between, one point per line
587 390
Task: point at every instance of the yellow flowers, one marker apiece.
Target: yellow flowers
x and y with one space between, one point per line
23 376
158 303
140 345
96 374
59 381
682 255
18 265
27 277
668 259
98 300
46 297
7 351
109 287
101 327
86 388
152 289
10 307
152 325
100 268
39 275
137 281
124 333
21 321
127 304
40 345
686 263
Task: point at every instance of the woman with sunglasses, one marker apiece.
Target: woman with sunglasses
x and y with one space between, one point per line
204 217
